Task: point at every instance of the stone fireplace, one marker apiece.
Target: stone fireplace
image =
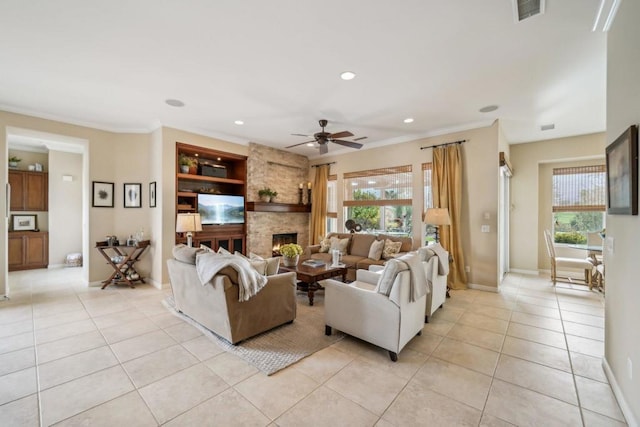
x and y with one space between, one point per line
281 171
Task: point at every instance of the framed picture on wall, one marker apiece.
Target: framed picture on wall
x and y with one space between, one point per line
622 174
132 195
24 222
102 194
152 194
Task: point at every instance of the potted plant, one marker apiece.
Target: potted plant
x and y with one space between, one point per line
267 194
290 253
187 164
13 161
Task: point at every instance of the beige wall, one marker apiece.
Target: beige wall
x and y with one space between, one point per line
623 290
480 190
65 207
526 240
117 158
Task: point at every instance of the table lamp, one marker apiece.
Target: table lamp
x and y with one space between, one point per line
436 217
188 223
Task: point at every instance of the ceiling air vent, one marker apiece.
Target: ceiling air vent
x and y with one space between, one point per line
523 9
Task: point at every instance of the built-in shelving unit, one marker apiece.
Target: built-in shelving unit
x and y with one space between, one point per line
231 179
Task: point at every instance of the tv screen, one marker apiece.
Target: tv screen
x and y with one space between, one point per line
221 209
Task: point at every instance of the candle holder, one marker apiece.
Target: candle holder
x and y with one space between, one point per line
309 196
299 196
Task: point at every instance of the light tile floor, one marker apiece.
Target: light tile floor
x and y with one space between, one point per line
71 355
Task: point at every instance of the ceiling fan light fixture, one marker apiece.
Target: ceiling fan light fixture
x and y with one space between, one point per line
347 75
310 144
408 120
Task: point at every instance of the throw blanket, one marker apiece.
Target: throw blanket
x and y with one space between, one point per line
443 258
419 286
250 282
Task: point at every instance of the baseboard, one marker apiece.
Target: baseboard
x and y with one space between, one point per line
624 406
482 287
521 271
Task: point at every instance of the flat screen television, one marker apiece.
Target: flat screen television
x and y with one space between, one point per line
221 209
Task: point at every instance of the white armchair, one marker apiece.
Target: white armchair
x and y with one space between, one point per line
358 309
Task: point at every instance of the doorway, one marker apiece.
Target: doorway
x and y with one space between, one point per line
65 220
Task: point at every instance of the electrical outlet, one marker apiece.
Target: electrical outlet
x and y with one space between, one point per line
467 269
630 368
608 244
485 229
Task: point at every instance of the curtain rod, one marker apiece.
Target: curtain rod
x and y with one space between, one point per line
323 164
446 143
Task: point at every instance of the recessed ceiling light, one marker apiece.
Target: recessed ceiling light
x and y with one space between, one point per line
347 75
548 127
239 122
408 120
174 102
488 108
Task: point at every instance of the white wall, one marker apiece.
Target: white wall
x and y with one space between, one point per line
622 339
65 205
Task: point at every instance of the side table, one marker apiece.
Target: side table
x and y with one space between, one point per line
122 258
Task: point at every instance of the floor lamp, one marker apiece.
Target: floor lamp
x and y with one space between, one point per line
188 223
436 217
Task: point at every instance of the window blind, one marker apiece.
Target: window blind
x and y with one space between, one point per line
581 188
332 196
379 187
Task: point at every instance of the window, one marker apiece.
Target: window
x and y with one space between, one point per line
428 200
380 199
332 204
579 201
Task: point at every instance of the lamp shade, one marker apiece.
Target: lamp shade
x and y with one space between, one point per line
436 216
188 222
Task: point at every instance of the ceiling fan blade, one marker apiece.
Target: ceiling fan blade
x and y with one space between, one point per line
343 134
360 138
301 134
324 149
347 143
295 145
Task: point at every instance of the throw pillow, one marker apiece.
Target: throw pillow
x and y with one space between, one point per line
223 251
388 276
186 254
375 251
390 249
340 244
325 244
206 249
273 263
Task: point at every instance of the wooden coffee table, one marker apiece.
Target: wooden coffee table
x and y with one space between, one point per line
310 276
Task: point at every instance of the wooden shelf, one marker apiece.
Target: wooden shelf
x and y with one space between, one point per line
277 207
191 177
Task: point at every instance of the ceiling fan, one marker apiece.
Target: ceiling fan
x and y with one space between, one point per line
322 138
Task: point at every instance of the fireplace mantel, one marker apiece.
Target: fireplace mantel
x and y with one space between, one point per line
277 207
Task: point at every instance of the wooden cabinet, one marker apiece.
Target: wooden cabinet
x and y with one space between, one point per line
28 250
29 190
217 172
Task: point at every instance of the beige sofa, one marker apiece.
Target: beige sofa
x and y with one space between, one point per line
358 251
216 306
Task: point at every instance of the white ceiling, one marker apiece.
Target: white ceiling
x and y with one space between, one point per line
276 64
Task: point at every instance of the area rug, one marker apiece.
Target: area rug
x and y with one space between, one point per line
280 347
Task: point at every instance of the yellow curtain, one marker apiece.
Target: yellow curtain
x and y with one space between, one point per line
318 225
447 193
